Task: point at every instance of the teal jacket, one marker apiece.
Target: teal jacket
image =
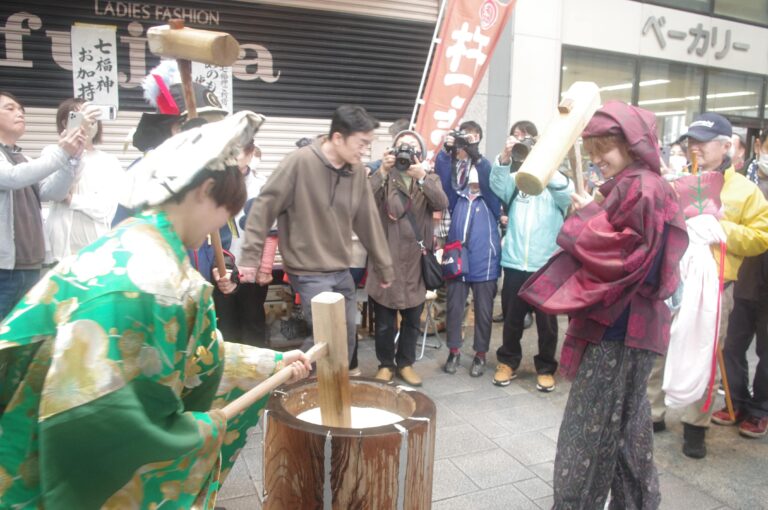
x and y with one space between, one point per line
534 221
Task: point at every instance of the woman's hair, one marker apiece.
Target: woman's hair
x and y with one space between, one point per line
62 116
228 188
601 144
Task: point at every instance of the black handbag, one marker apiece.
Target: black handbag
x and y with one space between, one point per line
431 270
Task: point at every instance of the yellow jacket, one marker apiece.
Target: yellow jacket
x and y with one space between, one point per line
745 221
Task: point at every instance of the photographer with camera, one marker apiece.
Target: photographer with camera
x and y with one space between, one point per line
475 211
534 222
406 195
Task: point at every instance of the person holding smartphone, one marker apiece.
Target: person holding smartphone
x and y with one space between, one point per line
85 213
24 184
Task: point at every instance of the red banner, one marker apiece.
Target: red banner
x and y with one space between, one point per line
469 33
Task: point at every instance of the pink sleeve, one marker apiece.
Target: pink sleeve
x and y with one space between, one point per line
268 255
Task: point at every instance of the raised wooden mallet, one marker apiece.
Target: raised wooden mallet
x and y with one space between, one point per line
187 45
575 110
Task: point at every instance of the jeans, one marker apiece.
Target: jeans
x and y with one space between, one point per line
14 283
309 286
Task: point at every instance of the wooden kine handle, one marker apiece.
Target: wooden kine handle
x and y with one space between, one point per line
255 394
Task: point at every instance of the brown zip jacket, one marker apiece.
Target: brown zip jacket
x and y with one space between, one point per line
317 207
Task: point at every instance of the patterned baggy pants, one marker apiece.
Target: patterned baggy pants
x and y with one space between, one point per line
606 438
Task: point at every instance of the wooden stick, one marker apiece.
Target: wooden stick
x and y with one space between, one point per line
329 325
574 156
185 70
726 387
256 393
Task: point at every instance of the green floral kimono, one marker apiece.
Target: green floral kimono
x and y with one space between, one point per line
111 374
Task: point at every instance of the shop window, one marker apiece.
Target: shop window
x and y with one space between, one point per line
752 11
687 5
732 93
673 92
613 74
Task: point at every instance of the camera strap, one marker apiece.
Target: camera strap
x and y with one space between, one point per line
406 203
412 221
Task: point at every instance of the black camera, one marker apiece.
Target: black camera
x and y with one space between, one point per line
521 149
405 156
460 139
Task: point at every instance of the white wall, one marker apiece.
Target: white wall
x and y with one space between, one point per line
535 61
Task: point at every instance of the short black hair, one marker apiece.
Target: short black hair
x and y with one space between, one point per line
12 97
349 118
526 126
471 125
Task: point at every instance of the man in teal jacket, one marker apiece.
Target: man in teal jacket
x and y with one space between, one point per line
534 222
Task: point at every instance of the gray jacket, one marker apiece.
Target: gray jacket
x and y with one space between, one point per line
54 173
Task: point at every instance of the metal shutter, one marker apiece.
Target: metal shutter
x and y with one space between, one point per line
321 58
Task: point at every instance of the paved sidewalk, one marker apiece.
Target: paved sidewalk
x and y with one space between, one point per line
495 446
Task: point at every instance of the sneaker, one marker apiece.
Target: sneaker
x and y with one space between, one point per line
409 375
722 417
452 363
545 382
385 374
478 367
504 375
753 426
355 372
498 318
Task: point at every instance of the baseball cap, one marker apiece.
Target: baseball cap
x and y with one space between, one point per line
707 126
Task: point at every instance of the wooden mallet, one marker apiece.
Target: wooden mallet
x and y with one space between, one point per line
575 110
186 45
330 352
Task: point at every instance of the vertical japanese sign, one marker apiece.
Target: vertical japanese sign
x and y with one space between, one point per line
467 38
94 63
216 79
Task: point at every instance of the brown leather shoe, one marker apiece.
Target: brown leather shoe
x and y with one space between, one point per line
385 374
409 375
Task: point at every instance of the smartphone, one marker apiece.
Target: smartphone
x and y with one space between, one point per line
108 112
74 121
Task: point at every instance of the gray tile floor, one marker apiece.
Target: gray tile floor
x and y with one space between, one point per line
495 447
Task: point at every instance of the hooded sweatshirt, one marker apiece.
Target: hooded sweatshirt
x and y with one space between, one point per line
317 207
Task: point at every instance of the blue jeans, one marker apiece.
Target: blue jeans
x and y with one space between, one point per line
309 286
14 283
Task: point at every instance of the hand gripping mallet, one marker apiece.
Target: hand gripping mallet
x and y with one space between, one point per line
186 45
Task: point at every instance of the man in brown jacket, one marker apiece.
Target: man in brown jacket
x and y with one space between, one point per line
406 196
320 195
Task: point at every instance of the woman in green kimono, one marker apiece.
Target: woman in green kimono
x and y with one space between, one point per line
112 372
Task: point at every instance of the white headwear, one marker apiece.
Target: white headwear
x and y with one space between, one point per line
166 170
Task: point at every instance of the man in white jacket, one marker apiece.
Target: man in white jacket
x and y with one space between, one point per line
23 185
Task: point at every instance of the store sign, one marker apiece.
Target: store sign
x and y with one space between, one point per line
94 64
698 38
216 79
293 62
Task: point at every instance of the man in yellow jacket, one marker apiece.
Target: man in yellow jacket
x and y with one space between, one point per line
745 223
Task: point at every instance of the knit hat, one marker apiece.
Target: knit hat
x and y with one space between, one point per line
166 170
